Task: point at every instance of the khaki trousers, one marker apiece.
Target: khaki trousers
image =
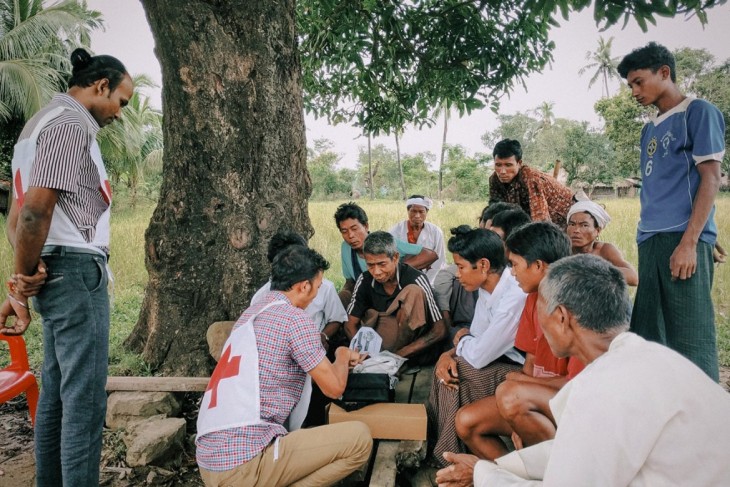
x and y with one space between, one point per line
307 457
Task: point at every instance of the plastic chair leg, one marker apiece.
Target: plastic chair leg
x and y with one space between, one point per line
31 396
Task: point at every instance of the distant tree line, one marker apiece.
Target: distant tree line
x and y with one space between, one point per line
464 176
589 155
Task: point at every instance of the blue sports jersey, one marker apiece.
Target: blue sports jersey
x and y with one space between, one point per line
672 145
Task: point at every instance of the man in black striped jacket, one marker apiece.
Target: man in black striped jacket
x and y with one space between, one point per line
397 301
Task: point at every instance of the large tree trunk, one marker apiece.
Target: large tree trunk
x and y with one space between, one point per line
234 169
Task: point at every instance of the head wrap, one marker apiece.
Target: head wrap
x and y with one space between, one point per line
425 202
596 210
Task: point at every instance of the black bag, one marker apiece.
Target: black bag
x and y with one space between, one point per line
365 389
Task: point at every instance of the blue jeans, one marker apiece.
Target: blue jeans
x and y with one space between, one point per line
75 307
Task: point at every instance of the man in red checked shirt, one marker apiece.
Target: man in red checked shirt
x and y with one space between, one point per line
258 394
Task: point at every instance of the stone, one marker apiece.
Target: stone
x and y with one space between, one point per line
155 441
126 407
410 455
217 335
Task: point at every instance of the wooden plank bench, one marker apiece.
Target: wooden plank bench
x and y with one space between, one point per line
387 458
393 456
389 455
157 384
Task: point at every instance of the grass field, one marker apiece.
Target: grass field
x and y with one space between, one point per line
130 275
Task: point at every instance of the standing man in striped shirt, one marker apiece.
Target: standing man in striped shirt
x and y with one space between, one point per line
60 213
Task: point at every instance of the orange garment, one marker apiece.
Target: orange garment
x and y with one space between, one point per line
530 339
412 237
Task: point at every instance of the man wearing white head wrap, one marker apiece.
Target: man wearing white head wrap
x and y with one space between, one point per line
417 230
586 219
596 210
419 200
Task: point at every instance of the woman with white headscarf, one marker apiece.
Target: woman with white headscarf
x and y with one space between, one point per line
586 219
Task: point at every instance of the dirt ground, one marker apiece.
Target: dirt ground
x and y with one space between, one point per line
17 466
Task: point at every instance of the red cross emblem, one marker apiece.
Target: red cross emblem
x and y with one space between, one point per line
19 188
227 367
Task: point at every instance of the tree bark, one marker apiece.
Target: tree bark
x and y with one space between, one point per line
234 169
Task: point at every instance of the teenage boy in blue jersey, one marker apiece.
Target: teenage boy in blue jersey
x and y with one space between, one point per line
681 150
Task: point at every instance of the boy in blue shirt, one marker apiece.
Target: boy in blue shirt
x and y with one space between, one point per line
681 150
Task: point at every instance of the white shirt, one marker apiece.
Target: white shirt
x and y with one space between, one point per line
431 237
494 326
639 415
325 308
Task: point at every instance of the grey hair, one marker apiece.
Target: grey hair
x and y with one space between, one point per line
379 243
591 288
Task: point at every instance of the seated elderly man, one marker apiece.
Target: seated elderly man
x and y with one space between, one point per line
397 301
639 414
416 230
352 222
538 194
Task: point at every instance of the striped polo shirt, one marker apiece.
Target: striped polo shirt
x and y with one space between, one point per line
63 162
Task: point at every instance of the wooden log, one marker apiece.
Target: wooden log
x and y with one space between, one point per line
155 384
384 469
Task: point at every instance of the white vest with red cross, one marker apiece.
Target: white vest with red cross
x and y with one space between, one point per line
233 397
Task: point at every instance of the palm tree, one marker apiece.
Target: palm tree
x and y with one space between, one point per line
445 109
603 63
545 115
398 132
35 44
134 143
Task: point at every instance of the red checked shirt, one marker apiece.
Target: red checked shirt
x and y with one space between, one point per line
289 346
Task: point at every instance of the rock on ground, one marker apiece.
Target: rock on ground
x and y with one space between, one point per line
157 441
125 407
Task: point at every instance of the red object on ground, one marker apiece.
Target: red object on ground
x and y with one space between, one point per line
17 378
